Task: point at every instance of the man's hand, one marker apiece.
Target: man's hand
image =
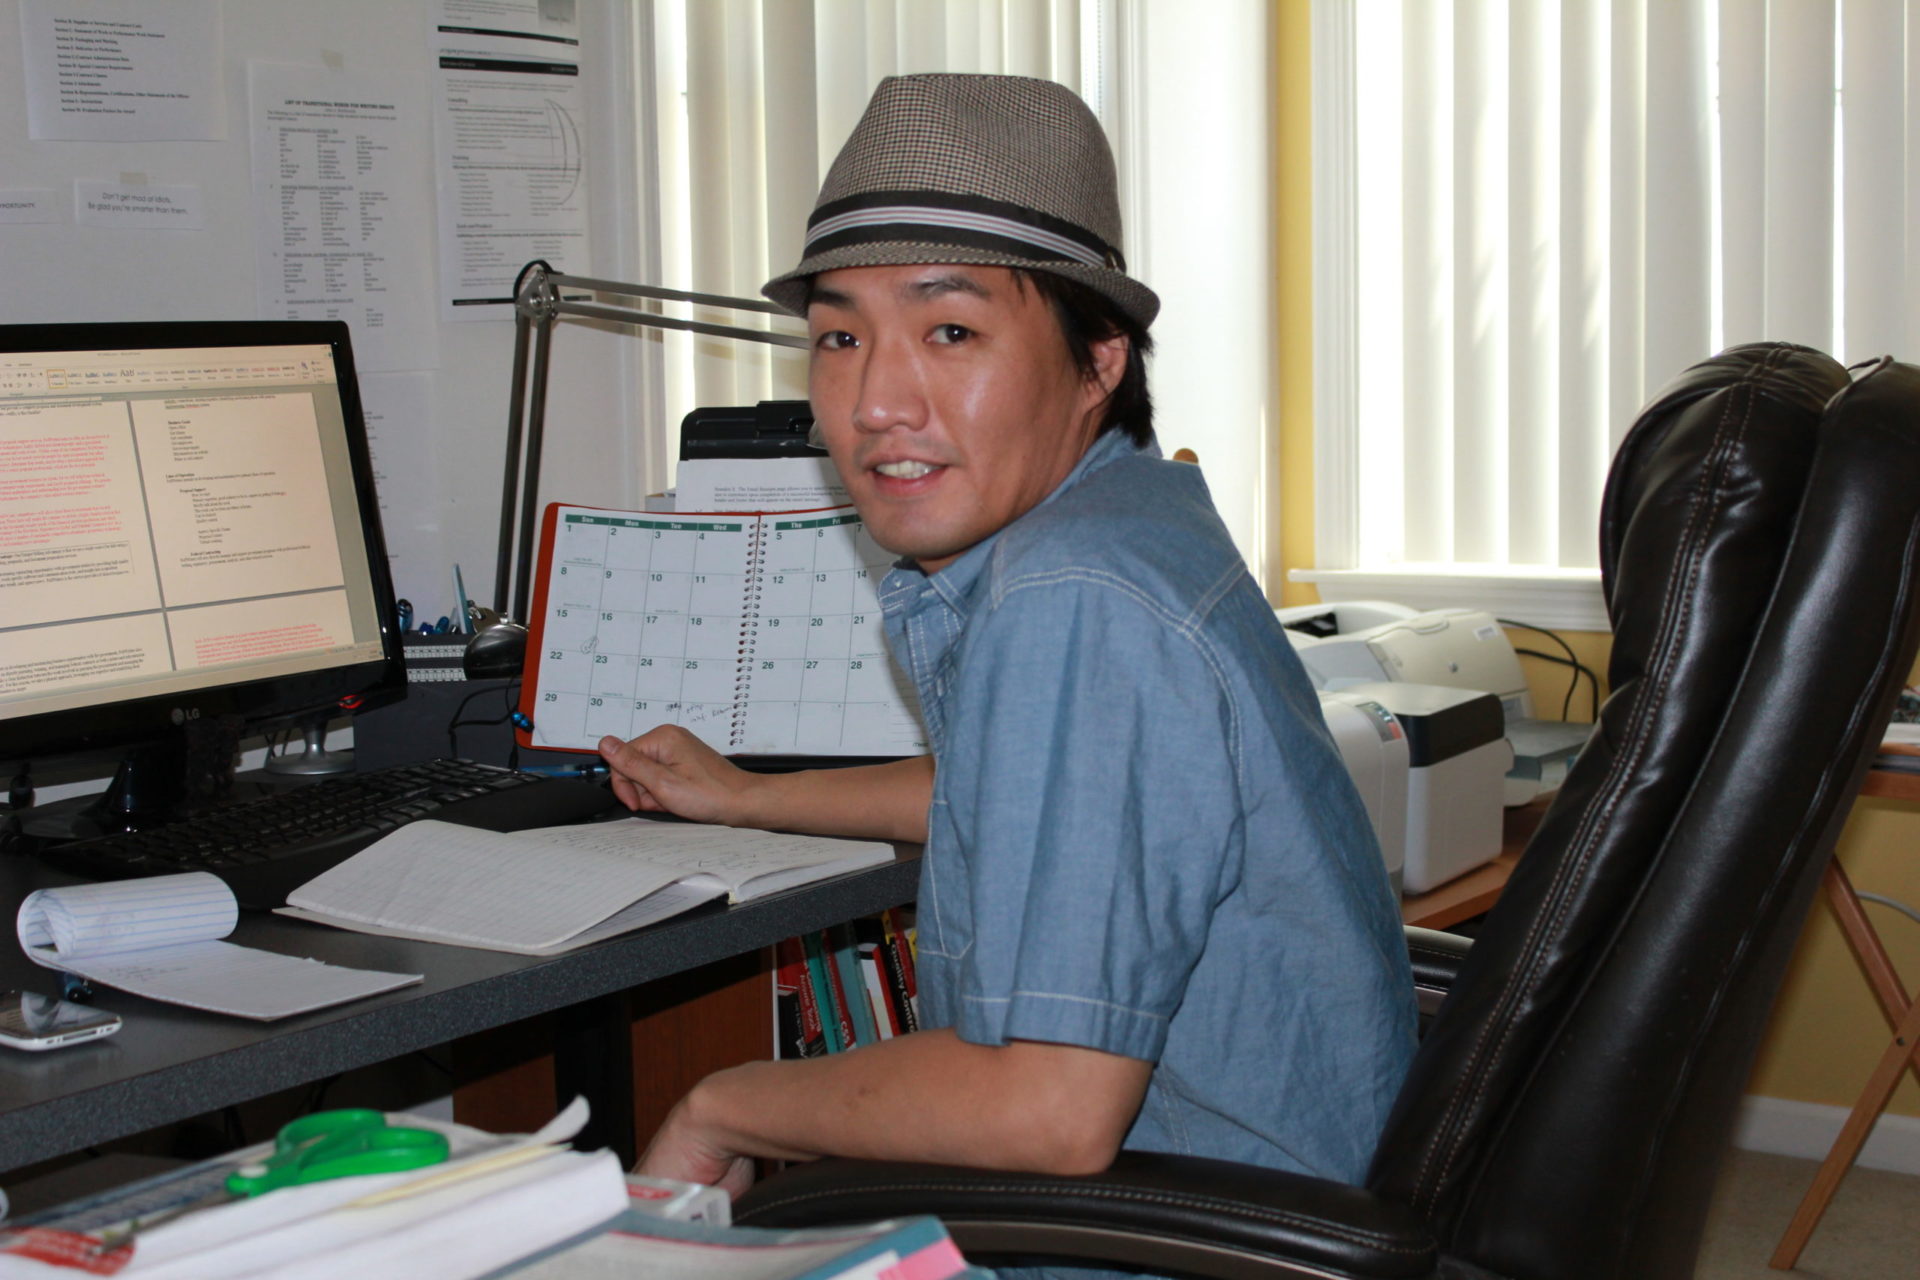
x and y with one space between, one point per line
668 769
682 1152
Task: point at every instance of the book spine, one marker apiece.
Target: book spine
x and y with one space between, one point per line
836 1027
896 978
885 1021
749 633
890 996
788 1042
902 939
793 976
847 967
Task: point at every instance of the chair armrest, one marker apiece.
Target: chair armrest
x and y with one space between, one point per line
1436 958
1180 1214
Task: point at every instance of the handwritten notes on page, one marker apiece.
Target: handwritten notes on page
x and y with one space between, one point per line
550 890
159 938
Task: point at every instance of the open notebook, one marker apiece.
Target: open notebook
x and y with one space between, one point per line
550 890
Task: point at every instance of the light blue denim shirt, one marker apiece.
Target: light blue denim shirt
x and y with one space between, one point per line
1142 839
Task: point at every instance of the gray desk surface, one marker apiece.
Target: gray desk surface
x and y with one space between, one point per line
168 1063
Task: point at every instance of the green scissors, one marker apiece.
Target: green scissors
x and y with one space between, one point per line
337 1144
326 1144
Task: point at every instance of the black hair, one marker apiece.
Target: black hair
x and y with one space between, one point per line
1088 316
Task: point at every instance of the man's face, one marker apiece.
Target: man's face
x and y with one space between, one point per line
948 400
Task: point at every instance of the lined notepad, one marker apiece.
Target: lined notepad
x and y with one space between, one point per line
160 938
551 890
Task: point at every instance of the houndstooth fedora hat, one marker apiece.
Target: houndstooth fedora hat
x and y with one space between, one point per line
998 171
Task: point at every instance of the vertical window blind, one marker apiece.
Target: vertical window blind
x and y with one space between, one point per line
1529 215
752 101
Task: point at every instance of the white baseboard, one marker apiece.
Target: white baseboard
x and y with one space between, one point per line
1780 1126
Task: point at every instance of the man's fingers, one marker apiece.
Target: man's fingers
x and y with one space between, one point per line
625 791
626 760
630 771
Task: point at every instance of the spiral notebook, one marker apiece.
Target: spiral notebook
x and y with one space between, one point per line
759 632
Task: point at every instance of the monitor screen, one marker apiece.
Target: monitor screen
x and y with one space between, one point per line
187 527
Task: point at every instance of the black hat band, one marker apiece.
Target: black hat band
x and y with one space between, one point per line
925 217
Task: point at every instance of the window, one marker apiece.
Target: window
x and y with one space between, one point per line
1530 215
752 98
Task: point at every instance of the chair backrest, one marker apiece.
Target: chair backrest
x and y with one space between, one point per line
1569 1107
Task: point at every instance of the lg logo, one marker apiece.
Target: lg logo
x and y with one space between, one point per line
183 714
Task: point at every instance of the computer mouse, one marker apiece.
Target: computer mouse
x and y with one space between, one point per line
497 649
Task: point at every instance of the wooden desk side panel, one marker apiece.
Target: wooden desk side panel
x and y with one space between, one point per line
683 1028
684 1031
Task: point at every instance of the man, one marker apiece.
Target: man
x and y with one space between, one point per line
1151 912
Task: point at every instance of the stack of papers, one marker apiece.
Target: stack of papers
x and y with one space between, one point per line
159 938
496 1200
521 1206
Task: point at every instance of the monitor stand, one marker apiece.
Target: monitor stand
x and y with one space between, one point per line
313 760
187 770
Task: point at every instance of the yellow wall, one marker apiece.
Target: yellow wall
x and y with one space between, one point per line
1827 1032
1293 289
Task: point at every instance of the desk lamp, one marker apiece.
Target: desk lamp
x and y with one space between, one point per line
499 647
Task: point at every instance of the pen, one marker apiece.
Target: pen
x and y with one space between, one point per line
462 618
583 770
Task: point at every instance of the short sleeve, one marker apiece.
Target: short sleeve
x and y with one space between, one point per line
1092 792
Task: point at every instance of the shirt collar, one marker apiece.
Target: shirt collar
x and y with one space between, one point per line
955 583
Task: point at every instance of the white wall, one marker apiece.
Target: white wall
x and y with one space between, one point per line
62 272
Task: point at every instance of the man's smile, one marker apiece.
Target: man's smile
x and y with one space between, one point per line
905 470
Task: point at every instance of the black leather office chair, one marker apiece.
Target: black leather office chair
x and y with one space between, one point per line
1571 1101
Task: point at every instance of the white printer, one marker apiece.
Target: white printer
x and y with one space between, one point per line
1456 762
1374 748
1358 642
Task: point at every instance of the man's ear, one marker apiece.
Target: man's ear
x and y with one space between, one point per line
1110 362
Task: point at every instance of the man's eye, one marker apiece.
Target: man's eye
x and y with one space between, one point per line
836 340
951 333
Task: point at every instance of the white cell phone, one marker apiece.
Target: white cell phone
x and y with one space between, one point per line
32 1021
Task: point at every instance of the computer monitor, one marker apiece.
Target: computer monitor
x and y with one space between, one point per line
188 533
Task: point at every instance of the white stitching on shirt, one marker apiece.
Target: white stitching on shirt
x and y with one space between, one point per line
1054 995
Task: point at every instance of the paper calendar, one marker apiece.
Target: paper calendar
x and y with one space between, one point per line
759 633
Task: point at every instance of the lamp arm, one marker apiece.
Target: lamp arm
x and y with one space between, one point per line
538 301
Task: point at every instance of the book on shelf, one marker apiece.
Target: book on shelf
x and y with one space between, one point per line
896 954
885 1019
841 945
549 890
828 990
758 632
885 978
794 990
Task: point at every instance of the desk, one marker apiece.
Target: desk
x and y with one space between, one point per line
168 1064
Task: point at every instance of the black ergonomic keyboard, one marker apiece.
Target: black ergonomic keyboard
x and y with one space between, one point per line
266 848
